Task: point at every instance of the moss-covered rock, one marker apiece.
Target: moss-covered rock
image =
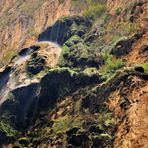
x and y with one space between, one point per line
76 54
111 64
62 81
54 85
122 47
124 44
64 28
19 105
7 131
24 141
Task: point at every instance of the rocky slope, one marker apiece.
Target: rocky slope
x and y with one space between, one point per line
82 81
21 24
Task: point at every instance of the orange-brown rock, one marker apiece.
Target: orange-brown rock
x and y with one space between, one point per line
21 22
130 106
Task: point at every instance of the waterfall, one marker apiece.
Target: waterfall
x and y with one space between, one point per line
57 33
4 78
8 81
21 60
25 91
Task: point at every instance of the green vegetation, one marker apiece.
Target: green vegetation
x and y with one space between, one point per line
105 119
6 128
118 11
7 57
90 8
74 50
91 71
24 141
39 75
62 125
145 66
103 136
94 10
111 65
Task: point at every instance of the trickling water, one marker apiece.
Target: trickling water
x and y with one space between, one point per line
8 81
16 82
3 94
48 32
21 60
36 105
10 85
55 33
4 78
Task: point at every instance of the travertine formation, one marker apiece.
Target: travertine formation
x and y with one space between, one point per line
74 81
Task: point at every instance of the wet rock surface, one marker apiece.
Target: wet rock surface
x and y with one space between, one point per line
63 29
36 65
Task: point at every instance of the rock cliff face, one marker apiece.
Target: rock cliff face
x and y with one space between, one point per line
22 21
74 80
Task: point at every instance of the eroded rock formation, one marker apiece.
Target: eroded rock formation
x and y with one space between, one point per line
79 82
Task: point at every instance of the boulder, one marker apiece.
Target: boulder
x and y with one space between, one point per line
78 140
122 47
139 69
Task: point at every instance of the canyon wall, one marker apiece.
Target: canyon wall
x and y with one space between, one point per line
21 22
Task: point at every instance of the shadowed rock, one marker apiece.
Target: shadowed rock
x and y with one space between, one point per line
78 140
4 77
22 104
139 69
122 47
144 49
64 28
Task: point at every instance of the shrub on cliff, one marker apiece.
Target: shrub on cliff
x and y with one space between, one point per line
95 10
111 64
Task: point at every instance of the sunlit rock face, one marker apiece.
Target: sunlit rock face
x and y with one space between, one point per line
82 97
21 24
45 53
47 56
112 5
